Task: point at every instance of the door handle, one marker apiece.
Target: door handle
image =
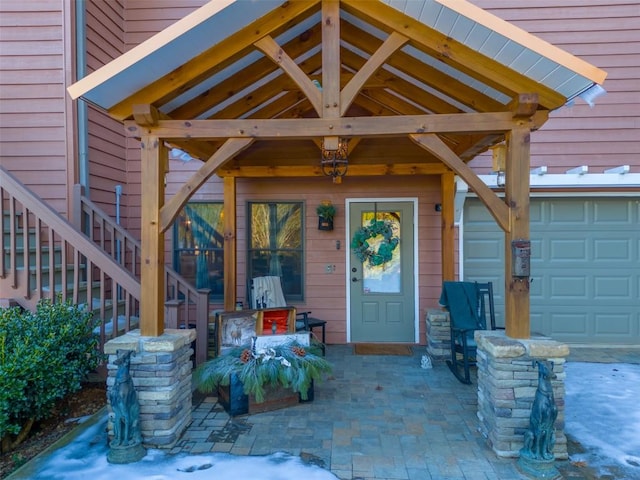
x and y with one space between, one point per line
354 279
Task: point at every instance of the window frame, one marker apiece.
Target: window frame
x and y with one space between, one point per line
177 250
289 297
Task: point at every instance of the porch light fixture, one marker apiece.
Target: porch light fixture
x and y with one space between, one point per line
334 163
499 156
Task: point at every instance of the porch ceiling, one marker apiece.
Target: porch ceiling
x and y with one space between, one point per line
228 60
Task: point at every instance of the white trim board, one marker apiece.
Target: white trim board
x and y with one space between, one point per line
568 180
416 262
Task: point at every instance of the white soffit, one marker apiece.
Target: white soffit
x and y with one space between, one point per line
167 50
505 43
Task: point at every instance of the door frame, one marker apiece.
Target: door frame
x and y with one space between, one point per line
416 262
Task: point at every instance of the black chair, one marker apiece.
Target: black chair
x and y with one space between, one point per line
305 323
467 304
487 307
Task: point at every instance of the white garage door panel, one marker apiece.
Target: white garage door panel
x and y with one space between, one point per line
585 266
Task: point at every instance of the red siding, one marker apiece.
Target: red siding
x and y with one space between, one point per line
34 129
33 109
325 293
604 33
107 154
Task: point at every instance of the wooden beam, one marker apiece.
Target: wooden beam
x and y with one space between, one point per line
172 208
278 129
452 52
330 59
287 106
426 74
315 171
447 227
394 42
216 58
153 161
517 295
246 77
230 247
494 204
373 106
272 50
524 105
522 37
147 115
264 94
473 145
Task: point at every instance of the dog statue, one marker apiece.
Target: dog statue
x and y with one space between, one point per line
540 438
124 402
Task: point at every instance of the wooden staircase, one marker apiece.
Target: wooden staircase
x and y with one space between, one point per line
99 268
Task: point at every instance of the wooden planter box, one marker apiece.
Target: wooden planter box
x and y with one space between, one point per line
235 402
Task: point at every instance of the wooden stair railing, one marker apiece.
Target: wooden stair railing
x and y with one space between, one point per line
44 256
186 306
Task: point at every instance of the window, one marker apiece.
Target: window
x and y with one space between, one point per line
276 245
199 246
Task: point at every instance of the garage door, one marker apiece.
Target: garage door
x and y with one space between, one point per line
585 266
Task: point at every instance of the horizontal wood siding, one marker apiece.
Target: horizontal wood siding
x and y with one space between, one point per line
325 293
143 19
33 110
107 152
604 33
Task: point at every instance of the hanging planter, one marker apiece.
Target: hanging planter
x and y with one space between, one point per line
326 211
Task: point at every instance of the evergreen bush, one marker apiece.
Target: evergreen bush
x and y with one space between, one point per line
44 356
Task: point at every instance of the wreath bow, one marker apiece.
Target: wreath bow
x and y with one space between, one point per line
364 251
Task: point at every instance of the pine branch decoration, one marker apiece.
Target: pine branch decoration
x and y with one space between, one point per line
289 365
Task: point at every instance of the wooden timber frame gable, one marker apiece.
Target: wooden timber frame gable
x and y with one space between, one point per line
361 99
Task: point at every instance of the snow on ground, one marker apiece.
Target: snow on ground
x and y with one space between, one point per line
603 415
86 458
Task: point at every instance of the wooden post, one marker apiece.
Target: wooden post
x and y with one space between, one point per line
153 168
230 270
517 315
448 187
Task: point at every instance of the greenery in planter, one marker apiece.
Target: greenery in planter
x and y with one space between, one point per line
289 365
326 210
44 356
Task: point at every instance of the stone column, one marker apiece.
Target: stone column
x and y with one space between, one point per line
438 334
507 383
161 372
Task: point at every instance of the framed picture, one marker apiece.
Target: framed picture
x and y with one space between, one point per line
236 328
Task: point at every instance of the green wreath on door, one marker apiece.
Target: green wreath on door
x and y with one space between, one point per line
365 252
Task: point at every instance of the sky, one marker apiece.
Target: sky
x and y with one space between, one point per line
602 414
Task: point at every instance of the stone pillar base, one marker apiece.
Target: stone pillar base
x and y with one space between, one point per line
438 334
507 383
161 373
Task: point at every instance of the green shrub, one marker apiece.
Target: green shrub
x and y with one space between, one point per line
44 356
